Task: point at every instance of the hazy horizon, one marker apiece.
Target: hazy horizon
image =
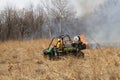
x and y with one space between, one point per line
82 6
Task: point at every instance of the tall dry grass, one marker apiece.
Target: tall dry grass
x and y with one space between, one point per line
23 60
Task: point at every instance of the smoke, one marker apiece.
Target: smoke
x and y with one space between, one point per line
103 23
86 6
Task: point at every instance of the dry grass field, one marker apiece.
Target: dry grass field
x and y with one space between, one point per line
23 60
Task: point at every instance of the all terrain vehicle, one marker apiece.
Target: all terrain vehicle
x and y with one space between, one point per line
64 45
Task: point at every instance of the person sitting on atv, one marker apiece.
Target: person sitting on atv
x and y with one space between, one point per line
78 43
59 45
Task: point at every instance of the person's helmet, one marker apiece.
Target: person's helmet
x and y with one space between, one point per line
58 40
76 39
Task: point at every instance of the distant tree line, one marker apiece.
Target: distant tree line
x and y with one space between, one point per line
49 19
44 21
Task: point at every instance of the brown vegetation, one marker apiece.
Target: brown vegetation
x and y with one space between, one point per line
24 61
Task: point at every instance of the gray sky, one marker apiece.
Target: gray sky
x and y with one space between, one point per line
82 6
18 3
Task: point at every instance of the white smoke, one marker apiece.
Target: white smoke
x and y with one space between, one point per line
104 24
101 19
86 6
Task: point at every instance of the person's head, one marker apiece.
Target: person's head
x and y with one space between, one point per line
76 39
58 40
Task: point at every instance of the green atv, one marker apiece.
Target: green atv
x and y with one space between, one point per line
71 48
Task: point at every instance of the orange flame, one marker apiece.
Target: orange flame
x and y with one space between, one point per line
82 37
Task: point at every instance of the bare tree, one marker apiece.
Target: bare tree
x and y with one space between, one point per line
9 20
42 21
61 13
